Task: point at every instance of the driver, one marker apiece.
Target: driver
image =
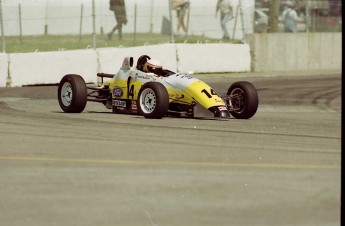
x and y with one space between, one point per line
153 66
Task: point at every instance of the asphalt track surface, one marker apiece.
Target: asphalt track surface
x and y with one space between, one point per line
282 167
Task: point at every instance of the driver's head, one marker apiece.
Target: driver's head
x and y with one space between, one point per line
290 4
153 66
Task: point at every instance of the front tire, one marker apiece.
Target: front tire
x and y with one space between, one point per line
72 93
153 100
244 100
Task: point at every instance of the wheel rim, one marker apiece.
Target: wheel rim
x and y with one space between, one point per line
66 94
148 100
238 100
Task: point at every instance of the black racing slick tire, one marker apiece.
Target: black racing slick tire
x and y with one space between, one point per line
72 93
153 100
244 100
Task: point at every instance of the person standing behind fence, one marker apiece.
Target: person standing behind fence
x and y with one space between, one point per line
226 14
119 9
181 7
289 17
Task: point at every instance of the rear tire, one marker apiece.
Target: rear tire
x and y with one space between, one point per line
153 100
72 93
246 100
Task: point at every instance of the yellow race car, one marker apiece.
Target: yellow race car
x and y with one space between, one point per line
154 92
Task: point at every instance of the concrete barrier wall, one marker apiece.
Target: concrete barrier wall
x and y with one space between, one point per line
111 58
202 58
50 67
3 69
265 52
294 52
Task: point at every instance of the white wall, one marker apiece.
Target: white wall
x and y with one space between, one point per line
294 52
50 67
267 52
3 69
202 58
111 58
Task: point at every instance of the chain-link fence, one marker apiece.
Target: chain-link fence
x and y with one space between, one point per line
63 17
29 25
312 15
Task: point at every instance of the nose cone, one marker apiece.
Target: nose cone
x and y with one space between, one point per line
220 112
223 114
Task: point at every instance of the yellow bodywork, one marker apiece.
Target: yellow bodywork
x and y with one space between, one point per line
203 94
132 92
182 89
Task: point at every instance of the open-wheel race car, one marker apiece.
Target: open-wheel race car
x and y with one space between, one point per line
154 92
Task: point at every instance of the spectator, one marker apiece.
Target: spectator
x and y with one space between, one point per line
119 9
181 7
289 17
225 9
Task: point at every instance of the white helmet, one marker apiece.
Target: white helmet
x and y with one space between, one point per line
290 4
153 66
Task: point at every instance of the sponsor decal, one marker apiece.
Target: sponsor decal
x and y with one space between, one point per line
141 76
119 103
186 76
134 106
117 92
222 108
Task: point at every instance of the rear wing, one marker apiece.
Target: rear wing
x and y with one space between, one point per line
104 75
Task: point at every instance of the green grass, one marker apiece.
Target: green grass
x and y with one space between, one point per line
43 43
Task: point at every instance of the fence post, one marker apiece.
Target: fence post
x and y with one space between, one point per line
234 31
94 25
135 24
307 17
81 21
188 15
20 24
242 21
151 17
172 39
46 20
2 29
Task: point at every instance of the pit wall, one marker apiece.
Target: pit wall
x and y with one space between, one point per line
295 52
20 69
